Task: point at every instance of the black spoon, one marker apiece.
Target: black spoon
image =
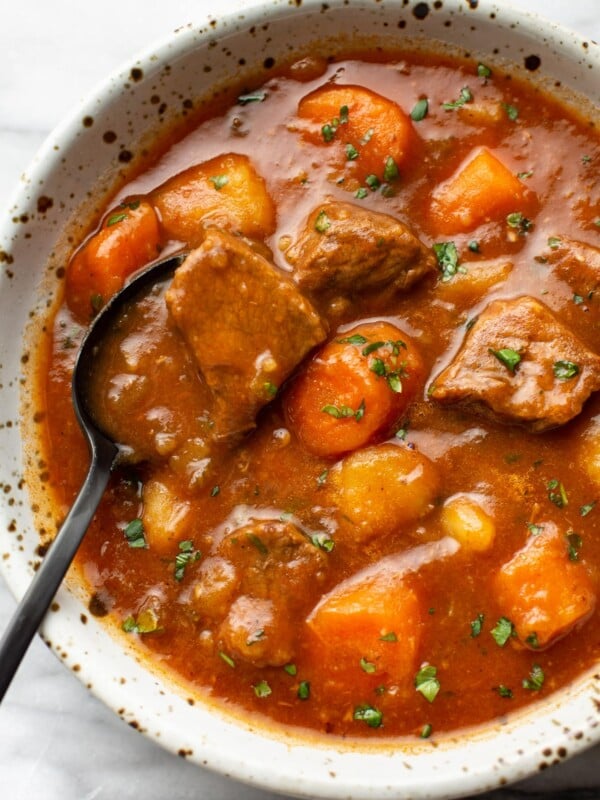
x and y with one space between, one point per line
104 454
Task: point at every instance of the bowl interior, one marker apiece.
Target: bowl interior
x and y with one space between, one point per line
81 164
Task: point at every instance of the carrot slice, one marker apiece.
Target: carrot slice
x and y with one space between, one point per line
366 132
482 189
355 389
129 239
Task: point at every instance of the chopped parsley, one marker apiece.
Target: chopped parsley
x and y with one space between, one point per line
186 555
368 136
303 690
532 640
322 222
420 110
356 338
115 219
291 669
502 632
262 689
504 691
426 731
323 541
447 259
427 683
465 96
554 242
585 509
388 637
344 412
509 358
519 222
390 170
227 659
258 543
574 545
512 112
219 181
322 477
270 388
534 529
368 714
565 370
147 622
329 130
252 97
361 193
134 533
215 491
351 152
373 182
483 71
557 493
476 625
367 666
536 678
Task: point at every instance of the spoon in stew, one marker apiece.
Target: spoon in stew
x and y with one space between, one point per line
104 454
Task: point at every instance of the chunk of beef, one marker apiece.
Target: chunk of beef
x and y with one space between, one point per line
345 248
255 587
520 364
574 280
247 325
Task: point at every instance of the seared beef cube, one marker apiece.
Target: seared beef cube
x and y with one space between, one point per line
520 364
346 249
247 325
257 586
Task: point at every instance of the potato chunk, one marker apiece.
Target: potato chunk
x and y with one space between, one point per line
379 489
464 518
166 516
226 192
543 592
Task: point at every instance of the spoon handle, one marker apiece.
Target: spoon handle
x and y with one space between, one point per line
40 593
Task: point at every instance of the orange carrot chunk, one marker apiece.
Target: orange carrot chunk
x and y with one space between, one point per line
545 590
367 628
365 132
356 388
129 239
482 189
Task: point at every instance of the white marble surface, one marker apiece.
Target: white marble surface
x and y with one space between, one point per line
57 742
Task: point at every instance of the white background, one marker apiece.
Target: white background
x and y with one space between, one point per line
57 742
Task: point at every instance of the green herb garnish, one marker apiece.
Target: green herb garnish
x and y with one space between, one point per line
366 713
509 358
502 632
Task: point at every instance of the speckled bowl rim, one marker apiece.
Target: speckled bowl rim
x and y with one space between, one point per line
32 247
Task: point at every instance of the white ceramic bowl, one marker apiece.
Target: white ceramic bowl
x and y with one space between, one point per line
68 182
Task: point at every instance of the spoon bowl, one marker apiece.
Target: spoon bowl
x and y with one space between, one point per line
104 454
